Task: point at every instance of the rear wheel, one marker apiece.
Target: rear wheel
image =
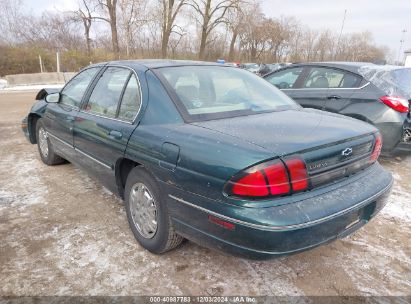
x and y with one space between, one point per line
147 213
46 151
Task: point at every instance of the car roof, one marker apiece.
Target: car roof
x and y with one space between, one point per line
159 63
349 66
353 67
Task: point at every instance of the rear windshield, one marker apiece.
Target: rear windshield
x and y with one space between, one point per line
212 92
391 80
402 78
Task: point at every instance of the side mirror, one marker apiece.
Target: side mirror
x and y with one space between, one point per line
53 98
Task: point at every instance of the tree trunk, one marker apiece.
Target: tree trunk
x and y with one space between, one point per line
87 36
203 42
88 40
112 6
232 45
204 31
114 36
164 43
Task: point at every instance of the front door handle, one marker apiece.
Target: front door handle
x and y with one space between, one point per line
115 134
334 97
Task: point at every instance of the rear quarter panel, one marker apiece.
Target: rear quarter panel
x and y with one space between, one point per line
206 160
366 106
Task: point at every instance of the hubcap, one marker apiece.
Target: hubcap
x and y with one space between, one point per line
143 210
44 146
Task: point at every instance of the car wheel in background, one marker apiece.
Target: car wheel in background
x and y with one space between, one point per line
147 213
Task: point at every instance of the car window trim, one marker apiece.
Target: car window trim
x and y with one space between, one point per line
130 122
358 88
360 78
296 83
122 94
94 87
100 67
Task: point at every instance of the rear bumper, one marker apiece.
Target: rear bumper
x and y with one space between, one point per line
405 144
394 134
286 229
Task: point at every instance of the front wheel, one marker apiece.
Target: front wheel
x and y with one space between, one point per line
46 151
147 213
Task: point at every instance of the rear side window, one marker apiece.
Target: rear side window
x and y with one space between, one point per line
402 79
131 101
106 94
324 78
285 79
73 92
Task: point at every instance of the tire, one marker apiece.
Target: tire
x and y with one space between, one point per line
156 238
46 151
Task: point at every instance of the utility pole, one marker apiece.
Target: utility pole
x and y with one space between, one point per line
41 64
404 31
340 35
58 62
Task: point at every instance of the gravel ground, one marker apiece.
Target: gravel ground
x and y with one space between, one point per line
61 233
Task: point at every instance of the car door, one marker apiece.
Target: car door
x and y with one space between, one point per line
106 122
59 117
313 89
342 90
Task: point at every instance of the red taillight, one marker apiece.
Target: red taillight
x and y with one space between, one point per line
252 184
397 103
298 174
277 179
377 148
270 179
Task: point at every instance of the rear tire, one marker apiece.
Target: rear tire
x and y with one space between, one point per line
46 151
147 213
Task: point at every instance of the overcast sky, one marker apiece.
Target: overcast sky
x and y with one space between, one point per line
384 18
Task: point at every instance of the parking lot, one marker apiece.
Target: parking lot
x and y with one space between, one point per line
61 233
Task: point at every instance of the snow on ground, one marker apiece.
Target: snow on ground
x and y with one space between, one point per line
3 83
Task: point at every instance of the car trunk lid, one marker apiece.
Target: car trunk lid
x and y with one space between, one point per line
332 146
291 131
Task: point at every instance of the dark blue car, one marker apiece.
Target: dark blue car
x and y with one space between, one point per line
213 154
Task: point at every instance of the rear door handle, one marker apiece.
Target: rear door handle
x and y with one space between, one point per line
115 134
334 97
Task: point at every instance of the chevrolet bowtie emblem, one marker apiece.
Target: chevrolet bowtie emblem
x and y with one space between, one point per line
346 152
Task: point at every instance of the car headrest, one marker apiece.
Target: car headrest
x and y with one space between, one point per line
320 82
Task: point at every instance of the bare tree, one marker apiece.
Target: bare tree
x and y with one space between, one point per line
13 21
235 23
132 14
253 35
169 11
210 13
111 8
279 36
324 46
83 14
